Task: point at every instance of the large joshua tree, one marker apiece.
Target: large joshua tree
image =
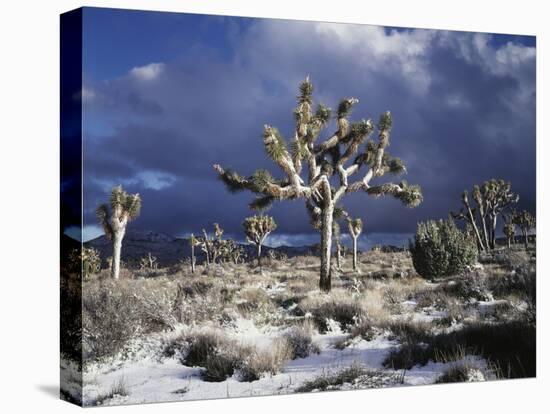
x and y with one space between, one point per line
492 198
341 155
256 229
114 218
355 227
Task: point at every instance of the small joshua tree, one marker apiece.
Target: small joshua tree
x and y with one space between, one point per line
114 218
492 199
149 262
86 261
193 242
525 221
211 246
333 161
230 251
355 227
256 229
510 232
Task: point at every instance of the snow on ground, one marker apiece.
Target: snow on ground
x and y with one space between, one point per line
150 379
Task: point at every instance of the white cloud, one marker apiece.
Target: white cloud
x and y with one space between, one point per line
150 180
147 72
375 49
84 234
86 94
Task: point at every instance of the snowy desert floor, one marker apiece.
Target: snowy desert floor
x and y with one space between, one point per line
235 331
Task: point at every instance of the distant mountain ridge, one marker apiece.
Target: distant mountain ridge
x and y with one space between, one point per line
169 250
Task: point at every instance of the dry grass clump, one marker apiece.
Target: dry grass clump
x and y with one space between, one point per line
509 346
222 357
337 305
252 300
118 388
300 341
463 372
266 361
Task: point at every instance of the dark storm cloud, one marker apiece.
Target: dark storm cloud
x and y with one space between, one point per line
464 112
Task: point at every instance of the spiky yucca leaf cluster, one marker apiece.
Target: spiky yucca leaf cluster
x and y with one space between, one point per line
356 225
345 106
124 207
275 145
193 241
257 228
323 113
385 121
410 195
306 91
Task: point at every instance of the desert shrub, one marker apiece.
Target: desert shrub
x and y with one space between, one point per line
326 381
221 365
86 261
508 346
222 357
118 388
461 373
196 288
508 259
520 281
114 312
471 285
440 249
110 319
409 331
200 346
337 306
300 341
253 299
258 363
407 356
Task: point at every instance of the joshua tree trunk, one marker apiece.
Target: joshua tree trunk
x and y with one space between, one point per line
259 252
494 231
117 247
476 230
525 238
338 256
326 247
509 242
192 259
485 234
354 253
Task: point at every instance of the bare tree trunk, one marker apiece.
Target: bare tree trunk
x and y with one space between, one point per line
259 253
484 226
354 254
494 231
338 256
476 230
192 259
509 243
526 240
326 247
117 247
